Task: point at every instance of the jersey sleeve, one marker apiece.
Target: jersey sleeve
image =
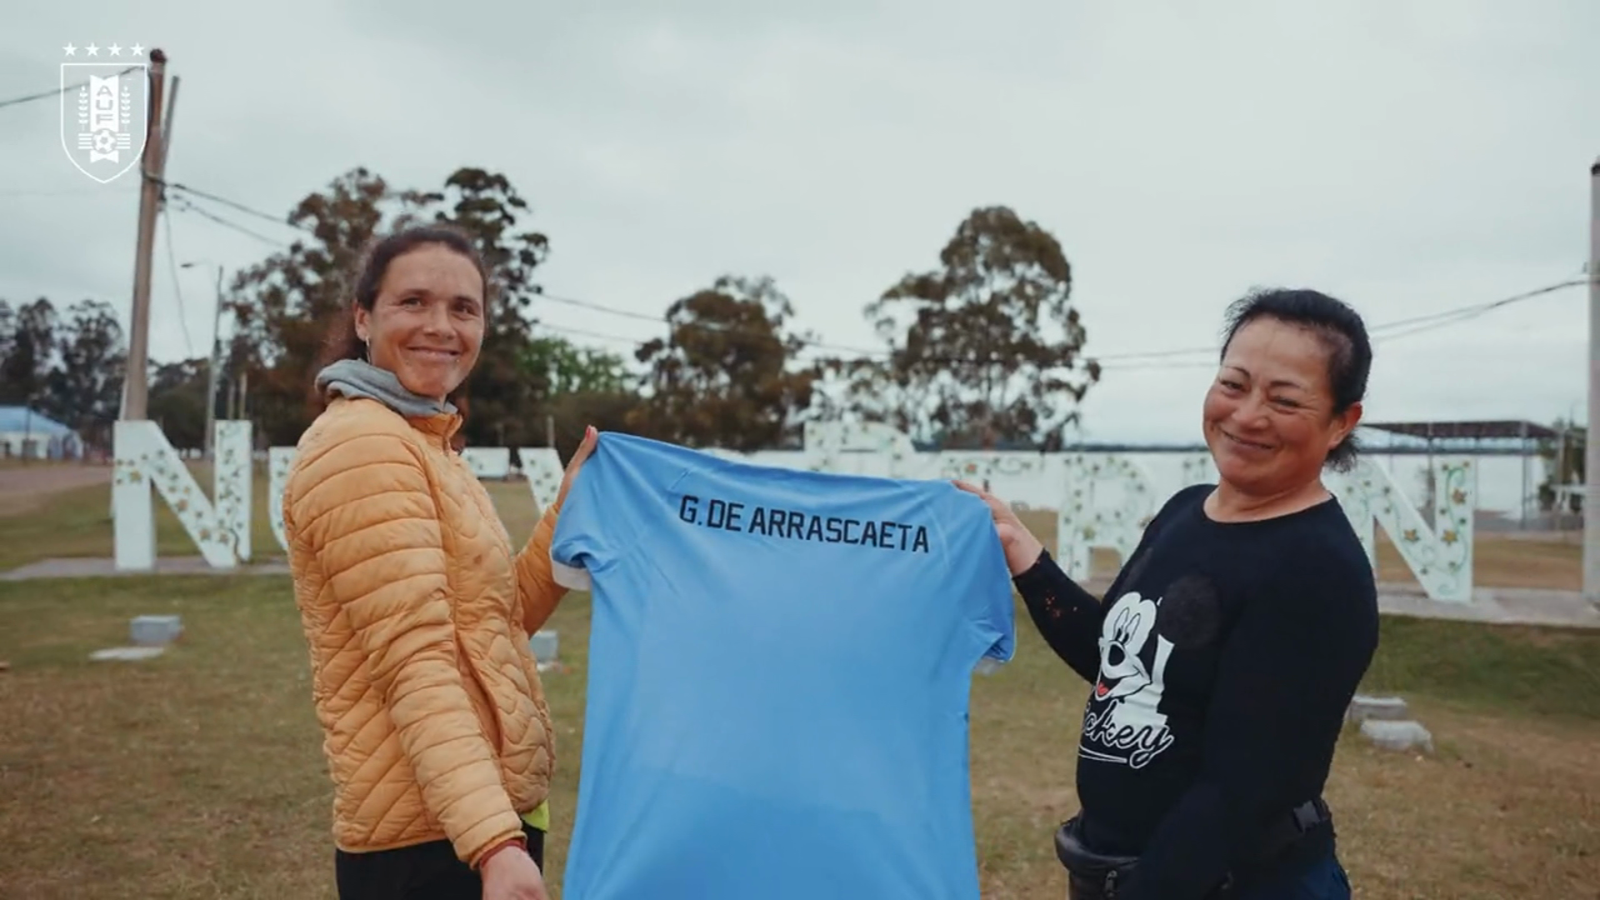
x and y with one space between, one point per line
998 622
580 544
988 582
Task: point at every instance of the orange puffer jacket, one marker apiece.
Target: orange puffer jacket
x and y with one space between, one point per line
417 614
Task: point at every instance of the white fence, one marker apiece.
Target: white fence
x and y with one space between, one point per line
1102 499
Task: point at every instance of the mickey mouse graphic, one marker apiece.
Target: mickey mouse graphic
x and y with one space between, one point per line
1123 722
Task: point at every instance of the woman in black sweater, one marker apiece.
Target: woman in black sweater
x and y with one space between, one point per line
1232 641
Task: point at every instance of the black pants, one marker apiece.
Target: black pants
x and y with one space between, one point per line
1320 879
420 872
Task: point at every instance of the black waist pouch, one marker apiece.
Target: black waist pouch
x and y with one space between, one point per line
1092 875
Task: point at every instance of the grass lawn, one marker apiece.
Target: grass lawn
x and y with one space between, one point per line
75 521
199 774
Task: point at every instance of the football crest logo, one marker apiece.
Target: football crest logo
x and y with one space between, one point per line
105 110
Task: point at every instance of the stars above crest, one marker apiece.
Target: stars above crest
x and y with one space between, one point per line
136 50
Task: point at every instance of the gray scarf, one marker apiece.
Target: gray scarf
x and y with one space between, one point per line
359 379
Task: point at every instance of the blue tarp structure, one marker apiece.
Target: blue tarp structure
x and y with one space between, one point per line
27 432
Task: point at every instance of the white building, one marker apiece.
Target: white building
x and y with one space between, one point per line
27 433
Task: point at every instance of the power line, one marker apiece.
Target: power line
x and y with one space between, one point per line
234 204
177 291
1118 361
554 298
185 206
566 301
58 91
1378 333
1127 362
663 320
585 304
1124 362
1439 320
595 335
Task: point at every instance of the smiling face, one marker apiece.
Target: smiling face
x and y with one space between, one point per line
1268 418
426 324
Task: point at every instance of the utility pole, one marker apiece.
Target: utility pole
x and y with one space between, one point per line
1591 447
214 364
136 397
170 101
213 368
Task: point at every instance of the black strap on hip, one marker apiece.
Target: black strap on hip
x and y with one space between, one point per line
1286 831
1092 875
1098 876
1279 837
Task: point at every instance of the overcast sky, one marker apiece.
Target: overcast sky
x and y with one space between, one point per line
1408 157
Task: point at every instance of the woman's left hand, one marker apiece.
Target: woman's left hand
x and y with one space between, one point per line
585 447
1022 549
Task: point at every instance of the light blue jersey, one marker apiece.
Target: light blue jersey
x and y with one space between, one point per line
779 669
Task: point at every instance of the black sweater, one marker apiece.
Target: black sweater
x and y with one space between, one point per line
1222 662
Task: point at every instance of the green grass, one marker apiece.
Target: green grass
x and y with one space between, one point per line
200 773
196 774
78 523
1511 669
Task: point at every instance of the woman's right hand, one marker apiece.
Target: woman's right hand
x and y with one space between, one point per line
1022 549
585 447
511 874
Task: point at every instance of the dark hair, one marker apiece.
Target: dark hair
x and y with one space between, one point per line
343 343
1339 329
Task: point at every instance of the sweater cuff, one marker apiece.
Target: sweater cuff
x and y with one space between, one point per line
520 840
1032 581
510 830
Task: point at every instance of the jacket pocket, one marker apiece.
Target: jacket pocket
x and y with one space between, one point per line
481 693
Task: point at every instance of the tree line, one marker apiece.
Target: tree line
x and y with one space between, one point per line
983 350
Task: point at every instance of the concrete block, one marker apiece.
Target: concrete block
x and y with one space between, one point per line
126 654
155 631
1404 735
1388 709
544 644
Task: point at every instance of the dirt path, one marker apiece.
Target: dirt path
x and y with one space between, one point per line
25 486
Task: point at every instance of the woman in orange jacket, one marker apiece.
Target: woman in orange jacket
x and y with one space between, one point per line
414 603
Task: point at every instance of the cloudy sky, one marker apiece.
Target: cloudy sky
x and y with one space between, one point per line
1411 158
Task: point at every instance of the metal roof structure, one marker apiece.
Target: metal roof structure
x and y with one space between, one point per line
22 420
1490 429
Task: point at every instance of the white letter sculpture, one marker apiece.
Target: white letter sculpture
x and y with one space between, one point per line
542 467
1101 499
1439 557
220 528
